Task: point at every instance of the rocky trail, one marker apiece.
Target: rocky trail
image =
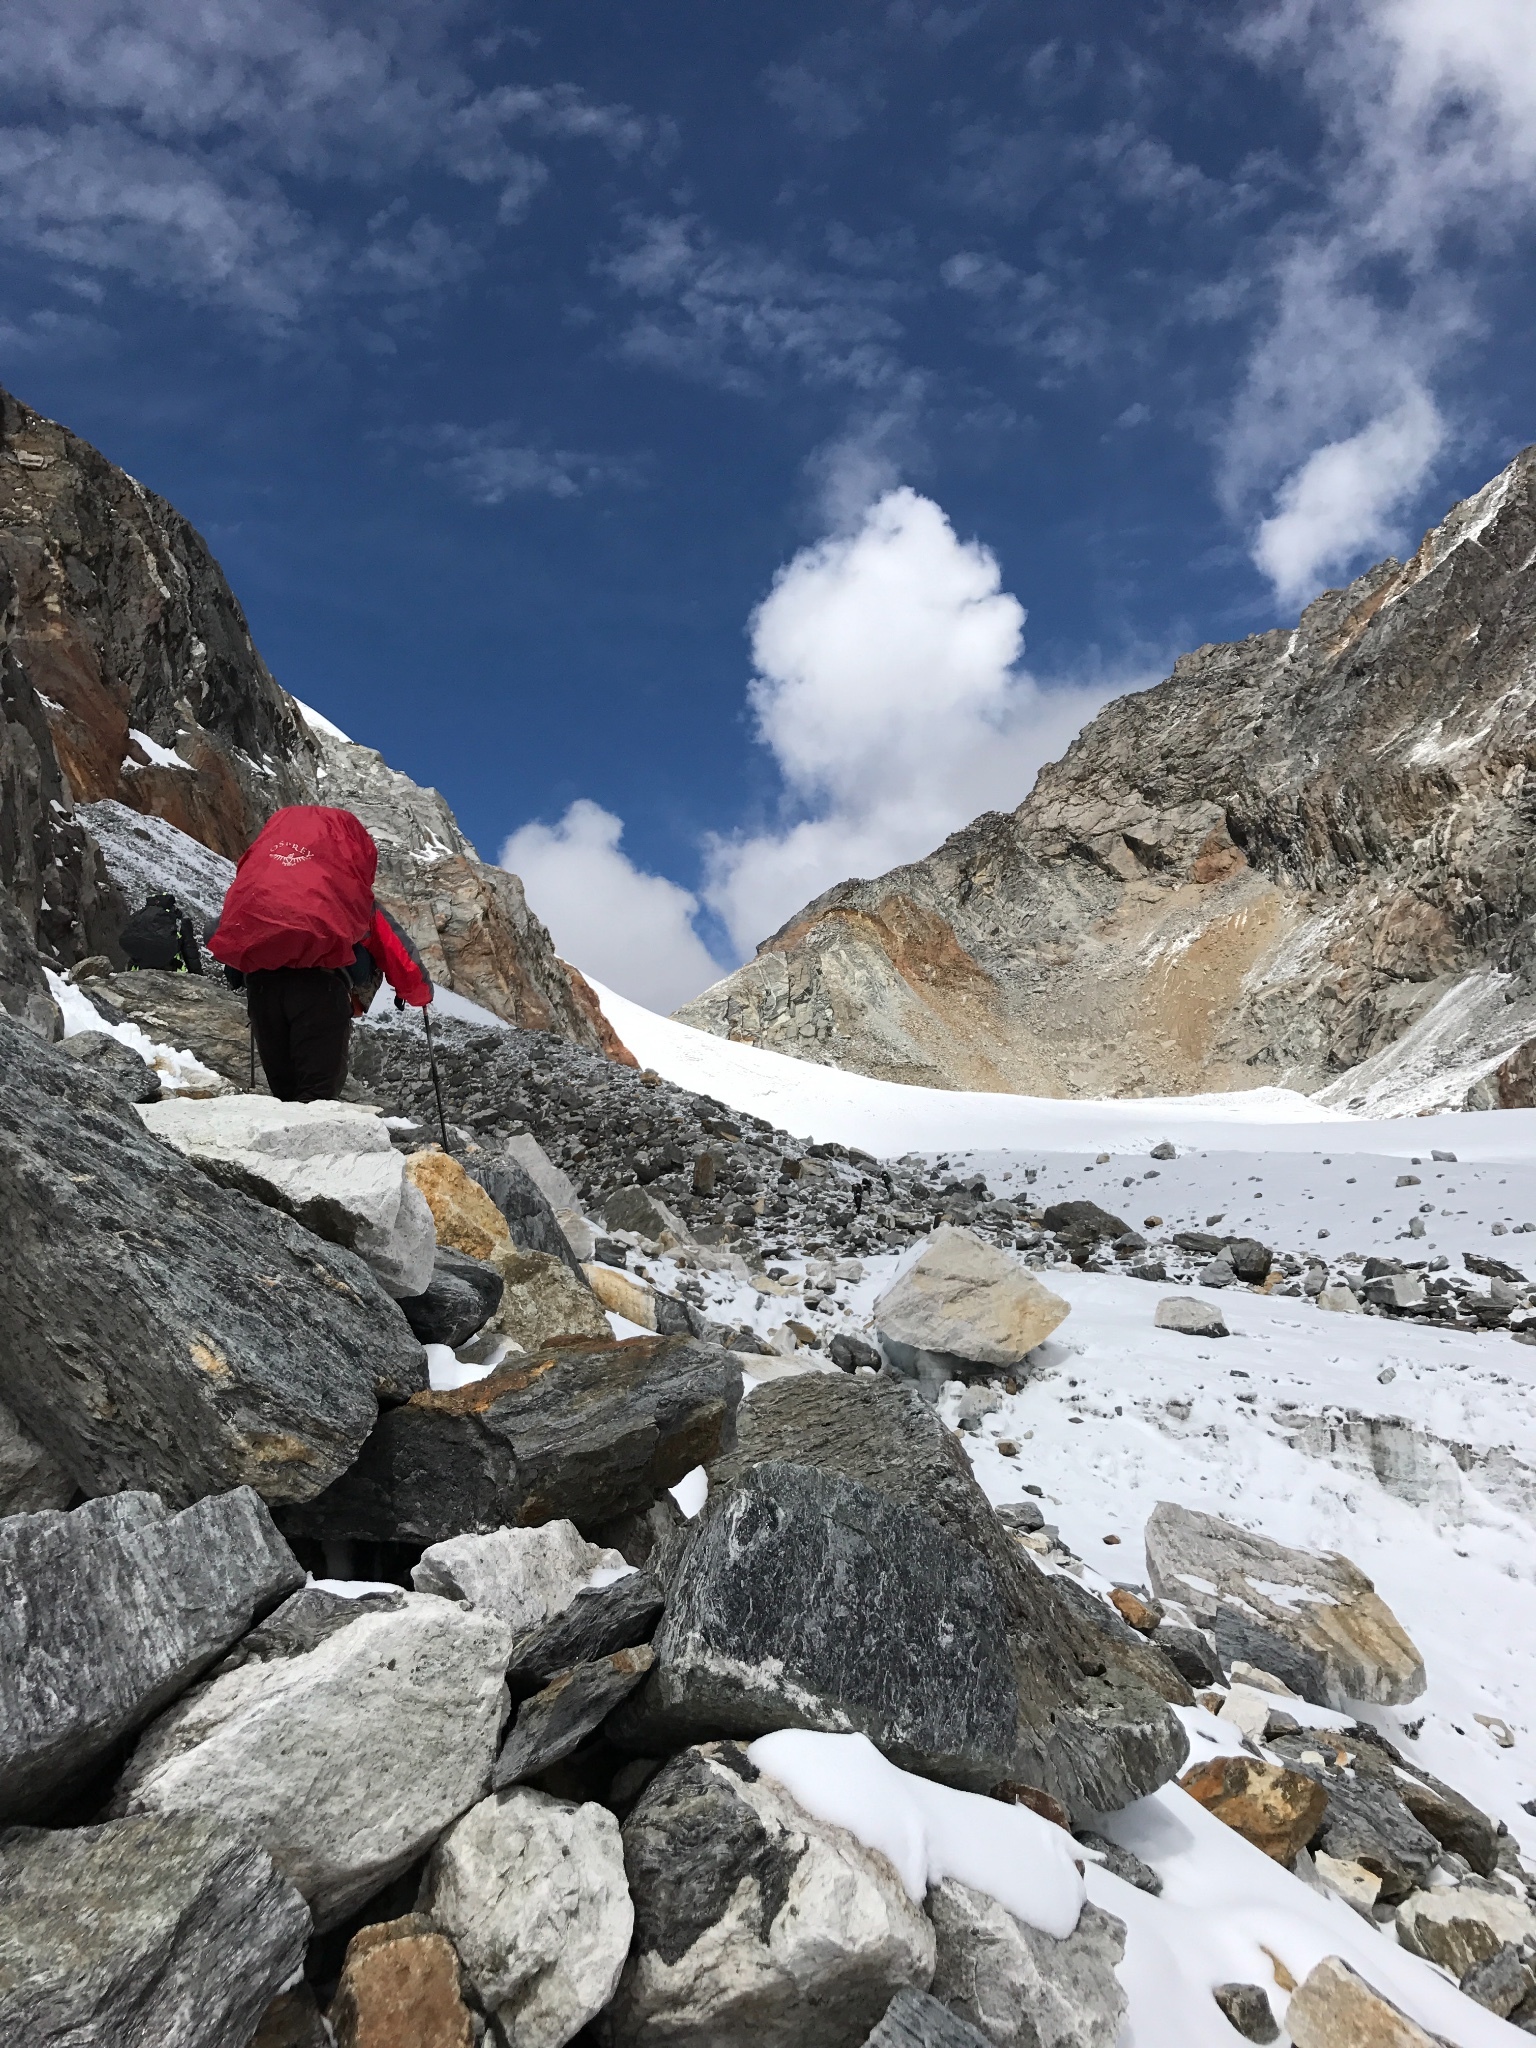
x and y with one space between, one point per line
713 1548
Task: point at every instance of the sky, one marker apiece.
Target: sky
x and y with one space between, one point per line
726 449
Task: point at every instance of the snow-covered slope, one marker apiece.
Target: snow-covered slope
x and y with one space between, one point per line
1410 1449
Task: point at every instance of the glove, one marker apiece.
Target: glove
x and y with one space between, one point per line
400 1002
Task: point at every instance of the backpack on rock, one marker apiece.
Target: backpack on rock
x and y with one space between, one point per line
161 936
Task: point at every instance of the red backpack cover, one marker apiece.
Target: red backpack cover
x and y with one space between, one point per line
302 895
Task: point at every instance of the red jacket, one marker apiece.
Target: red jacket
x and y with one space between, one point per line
303 897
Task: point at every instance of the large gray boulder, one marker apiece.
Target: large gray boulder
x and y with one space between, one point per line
964 1309
584 1430
163 1332
343 1735
532 1892
459 1300
166 1932
1318 1616
1020 1987
524 1576
328 1164
117 1064
914 2019
529 1211
849 1573
109 1613
756 1926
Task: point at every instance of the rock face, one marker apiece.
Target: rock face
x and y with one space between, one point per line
29 1478
1277 1602
1335 2008
400 1989
1018 1986
1296 852
533 1892
117 1064
756 1926
193 1013
586 1431
968 1305
326 1164
174 1930
343 1735
164 1332
111 1612
849 1498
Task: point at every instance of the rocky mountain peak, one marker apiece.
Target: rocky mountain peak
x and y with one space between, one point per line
1301 849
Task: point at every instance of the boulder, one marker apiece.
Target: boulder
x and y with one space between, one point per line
1322 1605
400 1989
1243 1640
968 1304
557 1720
1020 1987
1342 1299
1501 1983
534 1217
117 1064
523 1576
29 1478
330 1165
1085 1220
1276 1809
465 1217
756 1926
343 1735
163 1332
589 1431
460 1299
598 1621
1194 1318
1465 1925
646 1215
1189 1651
292 2020
849 1573
171 1930
913 2019
532 1892
618 1292
1247 2010
543 1299
109 1613
1336 2008
1365 1821
1249 1260
195 1013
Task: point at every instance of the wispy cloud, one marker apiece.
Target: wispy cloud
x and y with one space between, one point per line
491 464
178 146
733 315
1431 159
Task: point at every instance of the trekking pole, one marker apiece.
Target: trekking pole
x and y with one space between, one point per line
437 1086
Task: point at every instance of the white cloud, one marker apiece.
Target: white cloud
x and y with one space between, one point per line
488 465
632 930
1344 498
888 691
1430 111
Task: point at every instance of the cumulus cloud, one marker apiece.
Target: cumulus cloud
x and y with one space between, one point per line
1431 119
632 930
888 690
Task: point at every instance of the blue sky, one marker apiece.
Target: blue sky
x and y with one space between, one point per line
726 448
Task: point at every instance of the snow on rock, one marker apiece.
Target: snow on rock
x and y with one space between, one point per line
1021 1986
178 1071
930 1832
145 854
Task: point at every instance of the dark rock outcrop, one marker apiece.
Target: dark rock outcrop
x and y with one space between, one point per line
582 1430
465 1293
850 1497
598 1621
163 1332
556 1721
174 1930
1268 869
113 1610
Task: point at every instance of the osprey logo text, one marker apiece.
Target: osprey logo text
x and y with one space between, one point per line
288 853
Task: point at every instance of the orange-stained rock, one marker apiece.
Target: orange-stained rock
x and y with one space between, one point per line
467 1219
1277 1810
585 996
1141 1614
400 1989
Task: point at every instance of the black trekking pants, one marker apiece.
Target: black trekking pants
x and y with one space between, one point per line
302 1020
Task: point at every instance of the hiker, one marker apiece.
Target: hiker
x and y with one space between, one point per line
161 935
301 933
